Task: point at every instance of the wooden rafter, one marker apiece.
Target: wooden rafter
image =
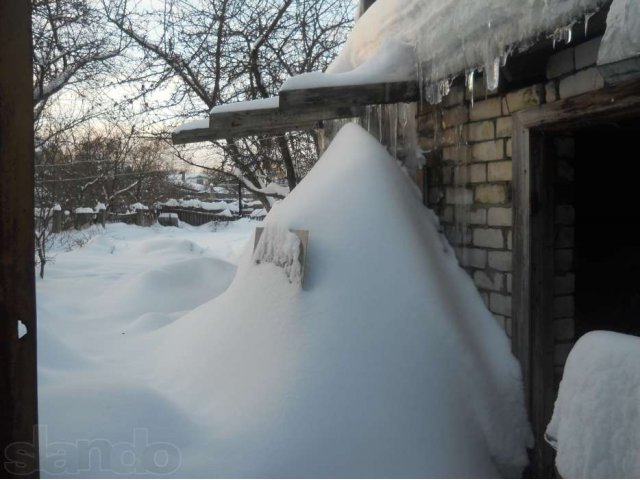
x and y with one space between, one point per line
303 109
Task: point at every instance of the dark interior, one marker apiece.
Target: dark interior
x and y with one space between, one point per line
607 205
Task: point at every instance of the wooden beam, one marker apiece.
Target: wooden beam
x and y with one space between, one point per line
18 385
349 96
584 110
263 122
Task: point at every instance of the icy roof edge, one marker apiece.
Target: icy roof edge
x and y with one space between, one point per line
434 41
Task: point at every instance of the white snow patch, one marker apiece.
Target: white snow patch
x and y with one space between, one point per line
622 37
437 39
387 363
193 125
260 104
84 210
596 420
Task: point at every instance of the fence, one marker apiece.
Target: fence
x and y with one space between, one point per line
61 221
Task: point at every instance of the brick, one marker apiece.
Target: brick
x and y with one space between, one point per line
565 284
473 257
551 92
461 175
488 151
455 116
489 281
447 215
564 329
509 148
459 196
480 131
565 215
460 153
563 260
500 261
501 321
500 304
565 237
504 127
561 352
478 173
582 82
427 122
486 109
488 238
560 64
435 195
477 216
587 53
565 171
500 171
524 98
500 217
455 96
564 306
491 194
509 240
509 282
454 136
426 142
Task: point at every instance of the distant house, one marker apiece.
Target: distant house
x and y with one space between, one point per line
524 156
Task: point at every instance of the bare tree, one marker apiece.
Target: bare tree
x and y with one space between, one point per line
209 52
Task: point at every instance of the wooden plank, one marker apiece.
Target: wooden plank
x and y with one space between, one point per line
18 385
521 340
541 291
583 110
263 122
316 99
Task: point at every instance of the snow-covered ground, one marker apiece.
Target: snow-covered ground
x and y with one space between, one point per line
96 308
156 359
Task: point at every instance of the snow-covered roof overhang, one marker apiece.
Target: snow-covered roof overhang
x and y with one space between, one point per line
409 50
261 117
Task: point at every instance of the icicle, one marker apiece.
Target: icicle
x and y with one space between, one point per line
587 17
492 74
469 79
380 122
368 110
563 34
444 87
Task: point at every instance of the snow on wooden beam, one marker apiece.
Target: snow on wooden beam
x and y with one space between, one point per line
350 96
262 122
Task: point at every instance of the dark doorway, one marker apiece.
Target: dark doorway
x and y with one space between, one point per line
607 242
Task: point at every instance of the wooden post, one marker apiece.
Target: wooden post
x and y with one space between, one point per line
18 385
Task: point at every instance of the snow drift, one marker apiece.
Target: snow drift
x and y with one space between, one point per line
386 363
596 420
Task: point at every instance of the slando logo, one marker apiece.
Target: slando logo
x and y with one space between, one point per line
95 456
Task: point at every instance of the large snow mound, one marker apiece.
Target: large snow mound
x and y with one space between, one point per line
386 363
596 420
446 37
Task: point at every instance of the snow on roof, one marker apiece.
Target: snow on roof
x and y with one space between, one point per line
596 420
622 37
437 39
260 104
193 125
83 210
387 364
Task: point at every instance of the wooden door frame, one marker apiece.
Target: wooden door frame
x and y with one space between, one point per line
18 366
533 236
